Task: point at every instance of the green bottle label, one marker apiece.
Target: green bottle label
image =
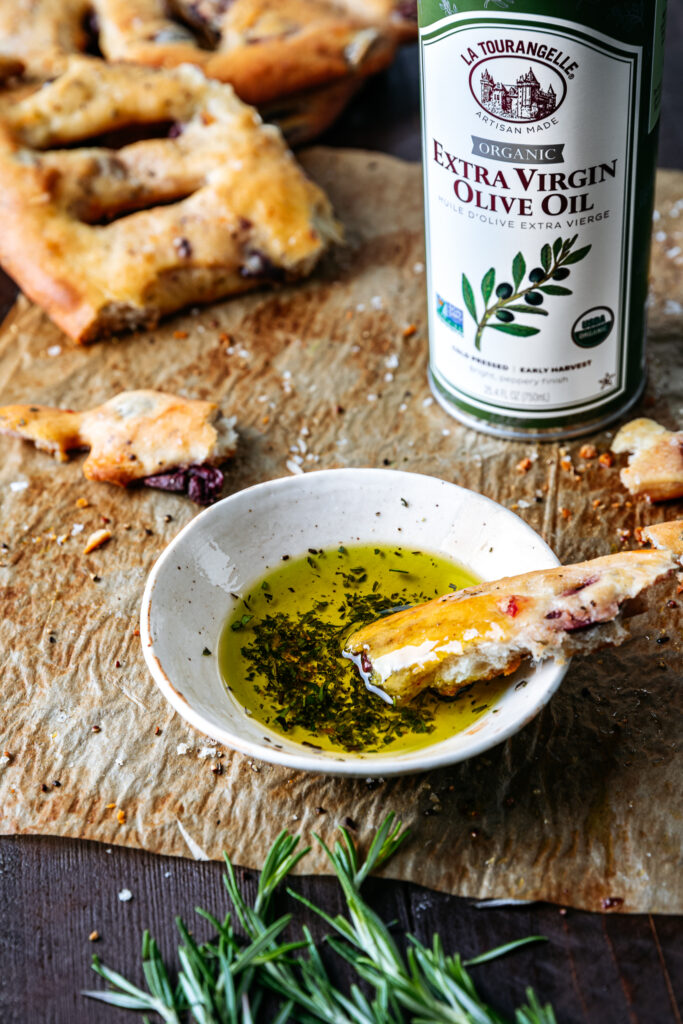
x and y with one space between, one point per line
530 129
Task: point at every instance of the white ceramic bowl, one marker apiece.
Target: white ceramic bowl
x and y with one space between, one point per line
232 544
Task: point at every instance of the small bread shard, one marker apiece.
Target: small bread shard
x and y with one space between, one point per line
655 466
488 630
144 436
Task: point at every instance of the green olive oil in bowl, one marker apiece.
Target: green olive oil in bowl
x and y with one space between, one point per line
280 651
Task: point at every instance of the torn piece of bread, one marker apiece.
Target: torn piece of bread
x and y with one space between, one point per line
488 630
655 467
150 437
107 239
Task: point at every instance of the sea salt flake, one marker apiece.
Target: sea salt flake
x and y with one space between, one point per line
54 350
76 529
293 467
388 377
371 397
125 895
673 252
207 752
418 268
672 308
377 302
427 402
402 407
446 432
391 362
18 485
660 236
182 748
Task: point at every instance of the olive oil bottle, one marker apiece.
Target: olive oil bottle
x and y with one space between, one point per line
540 121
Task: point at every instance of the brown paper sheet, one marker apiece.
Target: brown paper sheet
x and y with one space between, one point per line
582 806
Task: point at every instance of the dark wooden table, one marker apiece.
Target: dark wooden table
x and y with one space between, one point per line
596 968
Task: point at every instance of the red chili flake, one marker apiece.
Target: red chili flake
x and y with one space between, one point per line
610 902
672 604
96 728
117 664
157 731
512 608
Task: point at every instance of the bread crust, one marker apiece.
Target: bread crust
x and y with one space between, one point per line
135 435
244 212
487 630
266 49
655 466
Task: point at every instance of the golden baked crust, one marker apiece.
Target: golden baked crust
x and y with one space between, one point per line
133 436
240 211
266 49
486 630
655 467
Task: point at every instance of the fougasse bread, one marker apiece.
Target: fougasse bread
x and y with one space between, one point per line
655 466
148 437
266 49
106 239
488 630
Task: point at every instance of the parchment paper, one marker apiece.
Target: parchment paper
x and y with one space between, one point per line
582 806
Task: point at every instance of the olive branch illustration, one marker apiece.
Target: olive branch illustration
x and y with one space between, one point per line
555 262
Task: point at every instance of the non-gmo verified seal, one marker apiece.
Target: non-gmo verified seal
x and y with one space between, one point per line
593 327
450 314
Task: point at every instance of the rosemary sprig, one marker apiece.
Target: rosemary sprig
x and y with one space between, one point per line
512 299
224 981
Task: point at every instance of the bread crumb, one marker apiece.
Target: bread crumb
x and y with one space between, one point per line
121 817
94 936
96 540
606 459
565 513
409 331
180 334
588 451
524 465
82 503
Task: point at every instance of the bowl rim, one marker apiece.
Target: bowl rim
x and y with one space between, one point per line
425 758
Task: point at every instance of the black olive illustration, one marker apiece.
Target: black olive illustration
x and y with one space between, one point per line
505 315
504 291
537 274
560 274
534 299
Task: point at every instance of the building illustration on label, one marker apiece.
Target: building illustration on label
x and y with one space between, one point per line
523 100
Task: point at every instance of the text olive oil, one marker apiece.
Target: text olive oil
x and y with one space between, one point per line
540 123
280 651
